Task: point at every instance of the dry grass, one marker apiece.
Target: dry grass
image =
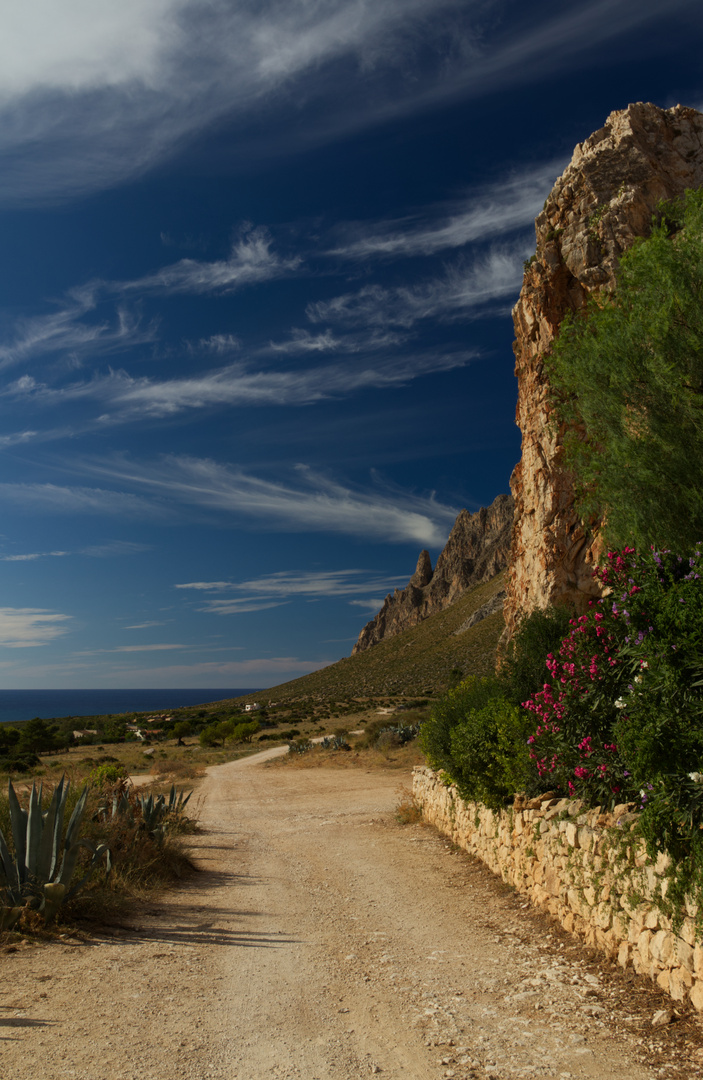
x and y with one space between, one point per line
142 864
400 757
175 770
407 812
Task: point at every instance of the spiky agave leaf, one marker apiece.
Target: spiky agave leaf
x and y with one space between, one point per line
18 819
9 876
50 845
35 828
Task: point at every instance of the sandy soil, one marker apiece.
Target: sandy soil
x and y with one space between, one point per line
322 941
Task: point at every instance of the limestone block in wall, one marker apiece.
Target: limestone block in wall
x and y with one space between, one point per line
696 996
687 932
680 983
662 947
698 961
624 954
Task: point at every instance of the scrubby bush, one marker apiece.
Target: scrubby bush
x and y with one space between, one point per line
628 374
106 774
479 739
523 667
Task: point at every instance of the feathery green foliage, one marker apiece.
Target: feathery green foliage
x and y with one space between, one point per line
627 382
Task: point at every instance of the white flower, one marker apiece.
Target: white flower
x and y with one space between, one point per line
620 703
696 777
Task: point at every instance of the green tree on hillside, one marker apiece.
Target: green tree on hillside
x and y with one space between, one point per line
627 380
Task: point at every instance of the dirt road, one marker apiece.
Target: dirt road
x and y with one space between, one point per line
322 941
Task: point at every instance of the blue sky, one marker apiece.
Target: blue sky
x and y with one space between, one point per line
255 336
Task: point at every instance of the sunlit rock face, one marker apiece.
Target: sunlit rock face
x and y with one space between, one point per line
604 200
477 549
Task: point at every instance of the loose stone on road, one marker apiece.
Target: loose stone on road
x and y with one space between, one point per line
322 941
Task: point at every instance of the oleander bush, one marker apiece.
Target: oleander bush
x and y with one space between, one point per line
618 717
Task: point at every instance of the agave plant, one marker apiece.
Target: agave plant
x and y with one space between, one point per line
40 872
156 809
153 810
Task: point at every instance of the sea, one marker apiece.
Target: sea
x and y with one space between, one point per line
17 705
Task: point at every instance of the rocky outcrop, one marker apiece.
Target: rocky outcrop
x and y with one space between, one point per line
477 550
602 203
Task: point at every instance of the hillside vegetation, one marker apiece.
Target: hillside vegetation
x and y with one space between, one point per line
418 662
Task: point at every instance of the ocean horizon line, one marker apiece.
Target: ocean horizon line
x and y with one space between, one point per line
17 706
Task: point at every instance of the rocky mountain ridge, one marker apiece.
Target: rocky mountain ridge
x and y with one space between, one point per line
477 550
601 204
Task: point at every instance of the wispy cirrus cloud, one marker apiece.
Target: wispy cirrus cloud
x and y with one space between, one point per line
464 290
244 383
67 331
32 556
251 261
224 597
509 204
61 499
310 501
91 94
371 604
145 625
97 551
23 628
114 548
119 88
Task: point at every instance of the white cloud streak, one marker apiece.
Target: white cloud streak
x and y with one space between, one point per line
33 556
510 204
22 628
314 503
96 551
274 589
241 385
461 292
288 583
251 262
145 625
93 92
65 331
58 499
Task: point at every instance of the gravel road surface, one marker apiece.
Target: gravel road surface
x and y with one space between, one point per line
323 941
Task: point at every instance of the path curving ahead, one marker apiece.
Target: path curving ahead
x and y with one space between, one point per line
322 941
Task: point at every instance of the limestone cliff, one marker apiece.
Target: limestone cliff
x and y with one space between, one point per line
604 200
477 550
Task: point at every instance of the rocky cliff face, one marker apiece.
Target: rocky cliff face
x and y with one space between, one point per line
602 203
477 549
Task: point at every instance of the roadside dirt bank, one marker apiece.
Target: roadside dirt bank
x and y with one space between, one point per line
322 941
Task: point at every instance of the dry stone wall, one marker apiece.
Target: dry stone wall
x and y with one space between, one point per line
576 865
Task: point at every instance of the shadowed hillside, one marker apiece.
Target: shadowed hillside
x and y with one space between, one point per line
417 662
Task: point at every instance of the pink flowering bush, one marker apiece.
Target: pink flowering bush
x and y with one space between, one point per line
572 746
622 714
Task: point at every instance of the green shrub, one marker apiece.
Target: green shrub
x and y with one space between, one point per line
523 670
106 774
448 712
489 752
629 375
246 731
